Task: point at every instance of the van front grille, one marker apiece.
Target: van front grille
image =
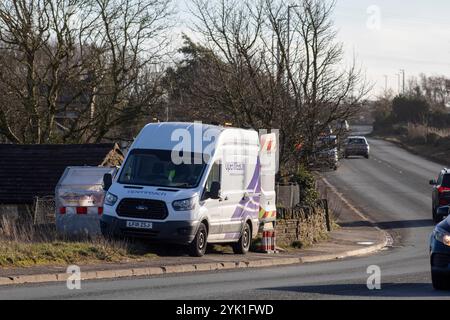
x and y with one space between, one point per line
142 209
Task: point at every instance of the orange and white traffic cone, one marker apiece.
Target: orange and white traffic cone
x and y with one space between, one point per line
268 242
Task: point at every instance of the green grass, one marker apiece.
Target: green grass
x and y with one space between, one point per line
27 245
18 254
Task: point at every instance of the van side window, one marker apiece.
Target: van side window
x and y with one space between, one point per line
214 176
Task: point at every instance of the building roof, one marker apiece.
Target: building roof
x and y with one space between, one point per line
27 171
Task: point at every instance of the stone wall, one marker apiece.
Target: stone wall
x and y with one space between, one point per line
300 227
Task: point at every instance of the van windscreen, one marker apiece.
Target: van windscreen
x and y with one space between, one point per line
156 168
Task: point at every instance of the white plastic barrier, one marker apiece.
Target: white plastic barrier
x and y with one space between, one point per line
268 157
79 199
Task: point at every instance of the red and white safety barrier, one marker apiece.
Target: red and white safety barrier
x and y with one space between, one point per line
81 210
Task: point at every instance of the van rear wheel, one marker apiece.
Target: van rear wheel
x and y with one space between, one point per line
197 248
243 245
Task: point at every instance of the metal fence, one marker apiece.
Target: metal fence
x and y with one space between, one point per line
288 195
44 210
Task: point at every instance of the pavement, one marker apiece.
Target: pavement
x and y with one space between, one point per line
391 191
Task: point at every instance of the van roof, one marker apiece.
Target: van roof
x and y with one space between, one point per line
168 135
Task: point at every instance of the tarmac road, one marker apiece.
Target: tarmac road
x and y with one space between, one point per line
391 188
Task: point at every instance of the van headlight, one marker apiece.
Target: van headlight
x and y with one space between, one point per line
442 236
110 199
185 204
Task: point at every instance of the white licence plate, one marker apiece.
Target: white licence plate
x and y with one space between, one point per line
139 225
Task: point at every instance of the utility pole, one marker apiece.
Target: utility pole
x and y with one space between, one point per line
385 83
398 79
402 71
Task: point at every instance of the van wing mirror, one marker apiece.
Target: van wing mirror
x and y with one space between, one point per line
214 192
107 181
433 182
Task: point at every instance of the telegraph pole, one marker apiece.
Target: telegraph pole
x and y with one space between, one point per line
402 71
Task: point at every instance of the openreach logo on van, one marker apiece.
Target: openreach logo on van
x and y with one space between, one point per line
197 145
235 168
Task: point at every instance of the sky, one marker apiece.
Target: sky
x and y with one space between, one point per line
386 36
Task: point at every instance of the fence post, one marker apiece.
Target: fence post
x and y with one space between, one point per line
327 214
36 199
292 195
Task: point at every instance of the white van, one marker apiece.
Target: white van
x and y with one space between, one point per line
188 183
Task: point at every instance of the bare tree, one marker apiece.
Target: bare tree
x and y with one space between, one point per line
280 67
133 35
77 70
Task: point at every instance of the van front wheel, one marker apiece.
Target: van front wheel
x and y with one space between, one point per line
197 248
243 245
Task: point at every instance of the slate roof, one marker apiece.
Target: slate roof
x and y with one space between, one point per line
27 171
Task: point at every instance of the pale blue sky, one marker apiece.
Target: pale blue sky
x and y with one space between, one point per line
412 35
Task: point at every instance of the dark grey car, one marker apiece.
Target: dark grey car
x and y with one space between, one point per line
440 194
356 146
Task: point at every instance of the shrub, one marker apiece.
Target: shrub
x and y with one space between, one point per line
445 142
419 140
433 139
307 182
400 130
410 109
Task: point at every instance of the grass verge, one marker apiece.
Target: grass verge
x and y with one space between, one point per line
19 254
428 142
26 245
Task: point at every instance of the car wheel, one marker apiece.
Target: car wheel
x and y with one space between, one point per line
197 248
440 281
243 245
436 218
433 210
367 156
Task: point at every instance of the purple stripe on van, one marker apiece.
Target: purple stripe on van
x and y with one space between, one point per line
255 187
255 179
